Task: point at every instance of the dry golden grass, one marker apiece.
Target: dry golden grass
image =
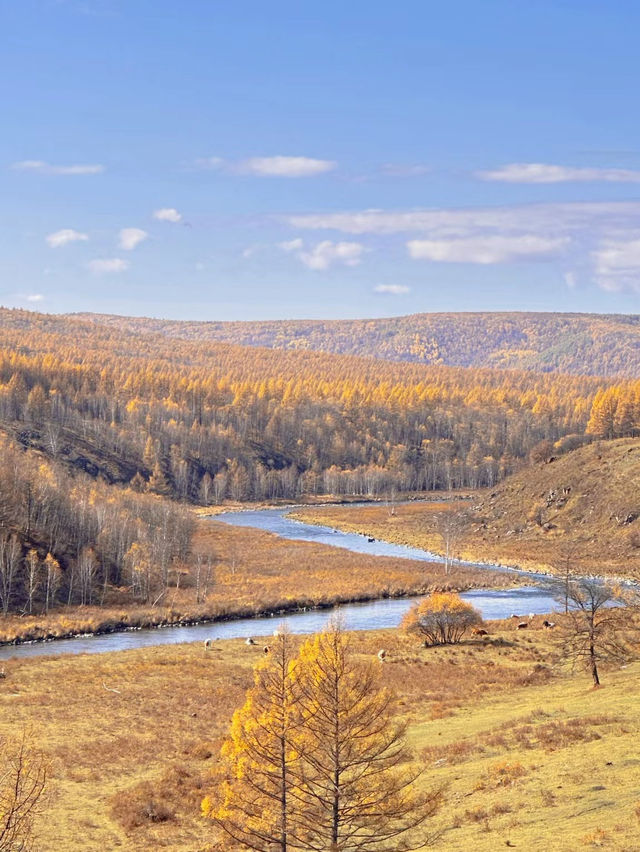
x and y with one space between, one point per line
256 572
529 754
582 509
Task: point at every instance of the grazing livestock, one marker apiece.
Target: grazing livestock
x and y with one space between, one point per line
266 649
548 625
523 625
382 655
480 631
249 641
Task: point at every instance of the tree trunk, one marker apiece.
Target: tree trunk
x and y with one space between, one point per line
594 666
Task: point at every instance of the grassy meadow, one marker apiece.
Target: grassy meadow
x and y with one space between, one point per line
529 753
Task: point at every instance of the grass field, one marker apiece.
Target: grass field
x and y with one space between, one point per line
530 754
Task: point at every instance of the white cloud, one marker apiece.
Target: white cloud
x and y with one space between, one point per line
34 297
571 280
108 265
64 237
392 289
289 167
605 232
547 173
291 245
325 254
485 250
129 238
617 265
48 169
167 214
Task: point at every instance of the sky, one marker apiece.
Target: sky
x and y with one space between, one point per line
218 160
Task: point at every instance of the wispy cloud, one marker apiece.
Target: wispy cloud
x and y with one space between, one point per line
64 237
43 168
167 214
103 266
606 233
405 170
129 238
212 163
462 221
289 167
325 254
291 245
486 250
34 297
548 173
392 289
279 166
617 265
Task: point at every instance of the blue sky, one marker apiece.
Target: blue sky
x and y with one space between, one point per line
248 160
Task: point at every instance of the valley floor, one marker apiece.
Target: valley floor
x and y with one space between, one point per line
254 572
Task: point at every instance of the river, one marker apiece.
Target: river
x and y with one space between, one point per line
361 616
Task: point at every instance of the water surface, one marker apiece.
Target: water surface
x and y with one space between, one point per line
500 603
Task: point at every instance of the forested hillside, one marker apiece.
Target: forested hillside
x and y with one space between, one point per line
207 421
596 344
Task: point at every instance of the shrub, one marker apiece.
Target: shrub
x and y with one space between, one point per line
442 618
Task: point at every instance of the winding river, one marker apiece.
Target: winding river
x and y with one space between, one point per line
362 616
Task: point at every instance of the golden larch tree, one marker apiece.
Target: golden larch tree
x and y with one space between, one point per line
253 803
357 788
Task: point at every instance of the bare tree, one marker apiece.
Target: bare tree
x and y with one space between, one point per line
23 779
53 576
203 571
32 578
10 555
596 629
450 525
87 568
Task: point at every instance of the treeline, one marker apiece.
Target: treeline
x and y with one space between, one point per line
205 422
70 539
615 412
597 344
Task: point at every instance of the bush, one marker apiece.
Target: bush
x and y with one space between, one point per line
442 618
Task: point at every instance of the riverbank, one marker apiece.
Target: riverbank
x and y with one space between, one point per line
321 500
256 573
420 526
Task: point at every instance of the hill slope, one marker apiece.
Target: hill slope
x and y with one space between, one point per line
580 511
583 508
595 344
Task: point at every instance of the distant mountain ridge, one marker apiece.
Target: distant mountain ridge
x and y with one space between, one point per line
593 344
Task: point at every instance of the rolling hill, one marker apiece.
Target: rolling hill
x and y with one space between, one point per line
595 344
